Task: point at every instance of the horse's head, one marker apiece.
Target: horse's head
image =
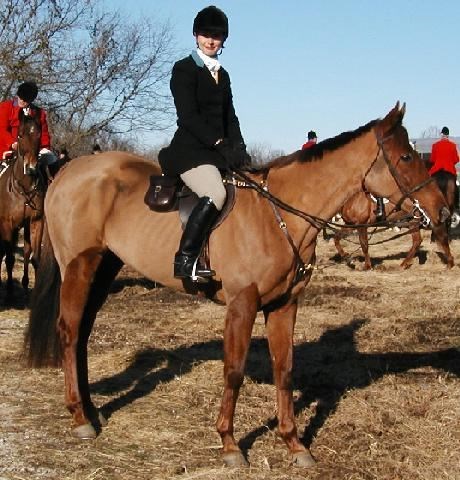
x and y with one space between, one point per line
29 135
399 173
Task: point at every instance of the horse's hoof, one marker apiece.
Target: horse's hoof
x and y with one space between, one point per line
234 459
303 459
84 432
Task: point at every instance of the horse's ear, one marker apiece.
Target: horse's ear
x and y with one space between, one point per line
21 114
393 117
402 111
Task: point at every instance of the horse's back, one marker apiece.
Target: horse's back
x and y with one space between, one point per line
88 193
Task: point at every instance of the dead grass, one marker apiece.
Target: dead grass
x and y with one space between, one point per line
376 382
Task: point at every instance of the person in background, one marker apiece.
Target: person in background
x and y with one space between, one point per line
96 149
311 140
208 138
444 154
444 157
9 123
63 157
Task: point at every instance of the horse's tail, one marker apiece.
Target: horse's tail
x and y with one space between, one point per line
41 341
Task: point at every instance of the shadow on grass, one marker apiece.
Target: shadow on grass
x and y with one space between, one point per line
324 371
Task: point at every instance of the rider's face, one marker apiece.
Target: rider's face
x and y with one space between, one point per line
209 44
22 103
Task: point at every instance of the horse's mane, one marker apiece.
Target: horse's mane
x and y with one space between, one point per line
317 151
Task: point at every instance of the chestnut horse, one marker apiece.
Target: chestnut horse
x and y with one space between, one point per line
447 184
21 200
359 209
97 221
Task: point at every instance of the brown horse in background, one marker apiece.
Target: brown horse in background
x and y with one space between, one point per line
359 209
97 221
447 184
21 201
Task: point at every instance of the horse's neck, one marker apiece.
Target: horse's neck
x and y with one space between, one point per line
321 187
18 173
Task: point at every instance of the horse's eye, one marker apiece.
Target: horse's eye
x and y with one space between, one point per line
406 158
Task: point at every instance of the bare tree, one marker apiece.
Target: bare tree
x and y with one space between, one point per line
431 132
262 153
98 73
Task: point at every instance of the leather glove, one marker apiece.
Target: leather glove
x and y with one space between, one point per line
235 156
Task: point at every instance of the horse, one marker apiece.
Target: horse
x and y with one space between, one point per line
448 186
21 200
359 209
263 254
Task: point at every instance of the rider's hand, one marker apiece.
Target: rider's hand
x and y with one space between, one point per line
235 156
14 146
7 155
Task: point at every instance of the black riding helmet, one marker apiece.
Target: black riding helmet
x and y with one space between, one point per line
211 20
27 91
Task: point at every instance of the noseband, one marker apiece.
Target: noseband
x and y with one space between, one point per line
417 211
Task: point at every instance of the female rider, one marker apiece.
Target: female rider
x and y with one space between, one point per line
208 138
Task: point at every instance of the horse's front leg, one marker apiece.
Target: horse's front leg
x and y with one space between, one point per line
9 263
27 251
364 242
280 332
241 314
416 242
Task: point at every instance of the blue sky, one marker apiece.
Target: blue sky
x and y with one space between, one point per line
328 65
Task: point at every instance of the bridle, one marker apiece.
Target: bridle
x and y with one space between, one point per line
242 180
417 211
28 193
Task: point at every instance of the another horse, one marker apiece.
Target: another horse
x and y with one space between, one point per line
21 200
97 221
447 184
359 209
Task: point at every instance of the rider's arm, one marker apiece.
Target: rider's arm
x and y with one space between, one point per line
6 139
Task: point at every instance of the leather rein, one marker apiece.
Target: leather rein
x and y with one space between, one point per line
242 180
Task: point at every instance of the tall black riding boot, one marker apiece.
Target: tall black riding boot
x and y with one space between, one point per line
380 210
196 231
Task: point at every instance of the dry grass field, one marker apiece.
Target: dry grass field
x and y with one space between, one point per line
377 382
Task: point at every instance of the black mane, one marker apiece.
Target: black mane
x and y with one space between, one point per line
317 151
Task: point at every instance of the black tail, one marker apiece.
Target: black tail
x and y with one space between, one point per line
41 342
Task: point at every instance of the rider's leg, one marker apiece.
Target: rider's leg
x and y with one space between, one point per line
380 209
206 182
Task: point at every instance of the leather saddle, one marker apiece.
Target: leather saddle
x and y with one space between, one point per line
170 194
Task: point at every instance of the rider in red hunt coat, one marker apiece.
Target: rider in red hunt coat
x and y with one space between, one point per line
444 154
311 140
9 121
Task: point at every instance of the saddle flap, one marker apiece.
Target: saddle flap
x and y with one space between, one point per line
162 194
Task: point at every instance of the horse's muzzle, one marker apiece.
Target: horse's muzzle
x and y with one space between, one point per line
444 214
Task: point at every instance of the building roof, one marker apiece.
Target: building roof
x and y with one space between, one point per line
423 145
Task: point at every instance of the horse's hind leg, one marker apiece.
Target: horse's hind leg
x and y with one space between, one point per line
280 331
241 314
442 238
79 305
416 242
106 273
341 252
